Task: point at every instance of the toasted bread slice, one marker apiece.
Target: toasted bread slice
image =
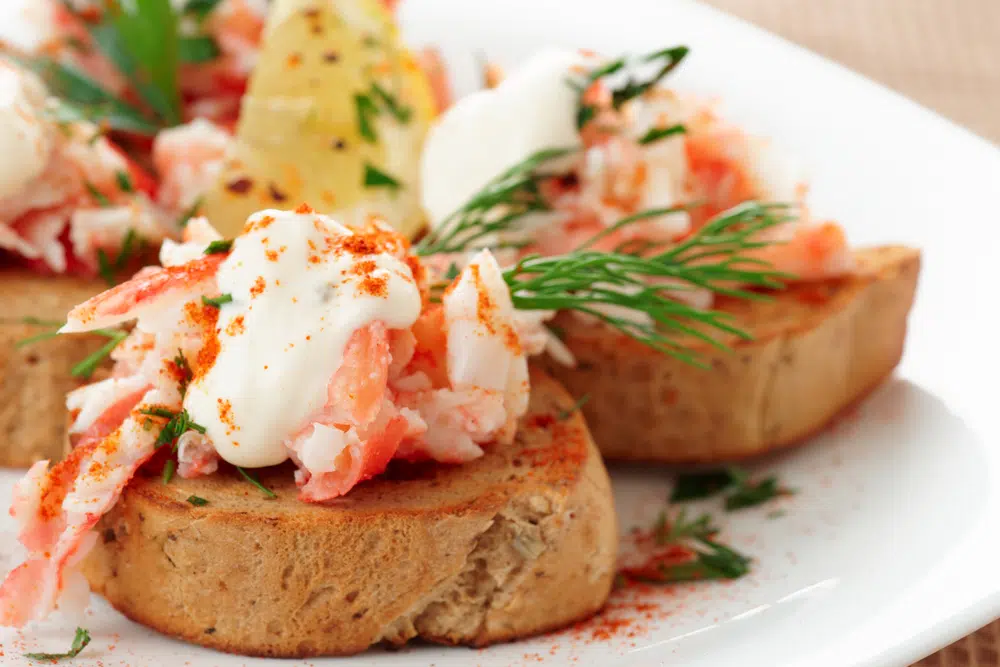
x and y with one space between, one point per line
817 349
516 543
34 379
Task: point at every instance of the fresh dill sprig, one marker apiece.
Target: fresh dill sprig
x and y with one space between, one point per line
80 641
636 294
706 558
501 203
666 61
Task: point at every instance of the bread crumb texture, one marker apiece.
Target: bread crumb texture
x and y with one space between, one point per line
817 348
34 379
519 542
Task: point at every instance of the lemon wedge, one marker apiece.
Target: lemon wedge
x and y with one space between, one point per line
335 116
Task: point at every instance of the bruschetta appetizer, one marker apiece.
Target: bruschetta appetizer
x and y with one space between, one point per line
306 357
608 159
76 214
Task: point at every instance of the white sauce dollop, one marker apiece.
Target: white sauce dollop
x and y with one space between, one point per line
25 135
487 132
279 346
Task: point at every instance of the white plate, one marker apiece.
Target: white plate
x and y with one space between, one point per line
890 549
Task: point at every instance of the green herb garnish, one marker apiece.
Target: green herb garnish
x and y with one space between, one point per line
80 642
86 368
217 301
710 560
657 133
124 181
452 272
168 470
498 207
219 247
184 369
267 492
711 259
566 414
667 59
197 49
399 111
191 212
178 423
200 9
694 486
82 98
109 270
366 111
749 494
375 178
741 492
99 197
197 501
141 39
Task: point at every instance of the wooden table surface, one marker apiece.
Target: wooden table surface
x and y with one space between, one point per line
945 54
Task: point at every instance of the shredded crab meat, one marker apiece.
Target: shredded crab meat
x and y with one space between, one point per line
444 388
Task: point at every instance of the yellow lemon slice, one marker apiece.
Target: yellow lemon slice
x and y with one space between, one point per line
335 116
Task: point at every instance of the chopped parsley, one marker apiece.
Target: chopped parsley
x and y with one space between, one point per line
452 272
217 301
399 111
80 642
219 247
367 111
375 178
197 501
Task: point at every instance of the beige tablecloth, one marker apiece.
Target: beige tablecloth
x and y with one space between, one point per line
944 54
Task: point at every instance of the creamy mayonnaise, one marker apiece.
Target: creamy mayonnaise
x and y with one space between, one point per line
25 135
487 132
298 296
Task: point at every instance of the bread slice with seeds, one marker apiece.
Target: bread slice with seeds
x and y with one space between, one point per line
518 542
818 348
34 378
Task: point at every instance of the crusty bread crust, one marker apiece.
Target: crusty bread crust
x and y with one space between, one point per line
34 379
519 542
817 349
